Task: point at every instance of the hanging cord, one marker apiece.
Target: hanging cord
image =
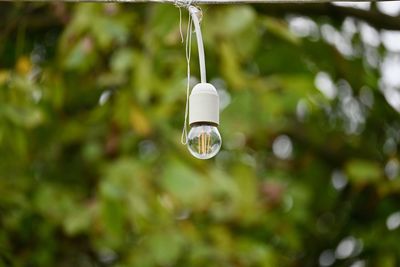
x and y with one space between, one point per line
194 19
196 15
182 4
180 24
188 52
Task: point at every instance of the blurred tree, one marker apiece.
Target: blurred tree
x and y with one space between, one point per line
91 107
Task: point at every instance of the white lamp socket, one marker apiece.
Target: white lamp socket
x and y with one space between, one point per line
204 104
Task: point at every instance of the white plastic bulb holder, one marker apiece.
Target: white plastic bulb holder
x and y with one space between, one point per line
204 104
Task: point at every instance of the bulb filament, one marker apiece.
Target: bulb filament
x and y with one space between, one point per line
204 144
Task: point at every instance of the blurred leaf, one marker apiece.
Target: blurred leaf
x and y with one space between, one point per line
122 60
139 122
188 187
4 76
77 221
157 244
82 55
279 28
362 171
231 66
24 65
27 118
230 21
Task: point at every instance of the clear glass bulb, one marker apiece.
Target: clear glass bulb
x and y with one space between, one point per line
204 141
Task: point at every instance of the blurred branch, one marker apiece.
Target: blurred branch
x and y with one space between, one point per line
283 7
374 18
199 1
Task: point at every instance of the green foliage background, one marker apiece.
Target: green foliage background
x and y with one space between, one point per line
92 172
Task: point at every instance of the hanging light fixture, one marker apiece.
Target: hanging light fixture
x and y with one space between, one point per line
203 140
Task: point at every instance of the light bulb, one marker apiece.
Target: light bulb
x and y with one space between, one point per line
204 140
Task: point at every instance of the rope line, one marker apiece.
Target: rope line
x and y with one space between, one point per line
194 19
188 52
